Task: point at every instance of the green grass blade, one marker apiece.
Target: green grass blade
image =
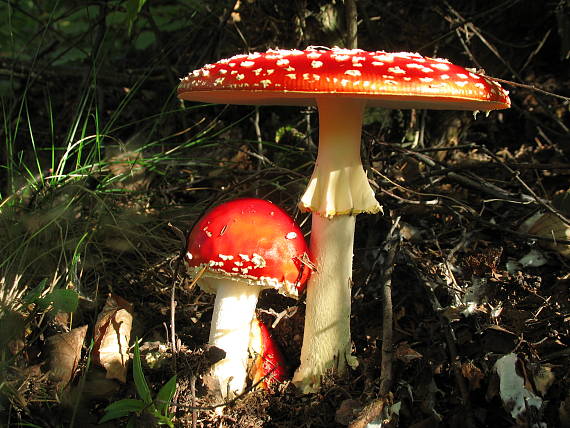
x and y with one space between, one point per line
164 396
138 375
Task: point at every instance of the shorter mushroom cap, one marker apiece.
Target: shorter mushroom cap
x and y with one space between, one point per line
253 241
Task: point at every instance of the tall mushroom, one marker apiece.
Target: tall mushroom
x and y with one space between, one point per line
341 83
239 248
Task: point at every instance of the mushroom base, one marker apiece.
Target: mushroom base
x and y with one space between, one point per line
326 340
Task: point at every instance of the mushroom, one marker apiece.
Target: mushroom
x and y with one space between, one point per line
340 83
236 250
269 366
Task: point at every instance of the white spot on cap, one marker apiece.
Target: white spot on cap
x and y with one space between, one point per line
353 72
442 67
316 64
189 255
396 70
462 76
426 79
247 63
240 77
265 83
291 235
384 57
291 76
282 62
258 261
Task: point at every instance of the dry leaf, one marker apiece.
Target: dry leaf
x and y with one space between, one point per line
473 374
522 404
405 353
348 411
564 413
112 335
543 378
65 353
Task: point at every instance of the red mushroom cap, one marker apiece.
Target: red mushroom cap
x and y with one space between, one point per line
268 361
297 77
252 240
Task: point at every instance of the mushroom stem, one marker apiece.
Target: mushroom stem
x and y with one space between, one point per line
337 191
339 184
234 309
326 340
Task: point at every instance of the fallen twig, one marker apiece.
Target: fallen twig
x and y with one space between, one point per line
391 247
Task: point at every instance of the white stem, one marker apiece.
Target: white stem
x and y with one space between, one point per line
339 184
326 340
234 309
337 191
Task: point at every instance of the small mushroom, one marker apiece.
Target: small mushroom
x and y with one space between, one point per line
238 249
269 365
340 83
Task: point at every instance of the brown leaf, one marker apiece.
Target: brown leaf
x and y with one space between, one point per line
65 351
405 353
348 411
112 335
473 374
